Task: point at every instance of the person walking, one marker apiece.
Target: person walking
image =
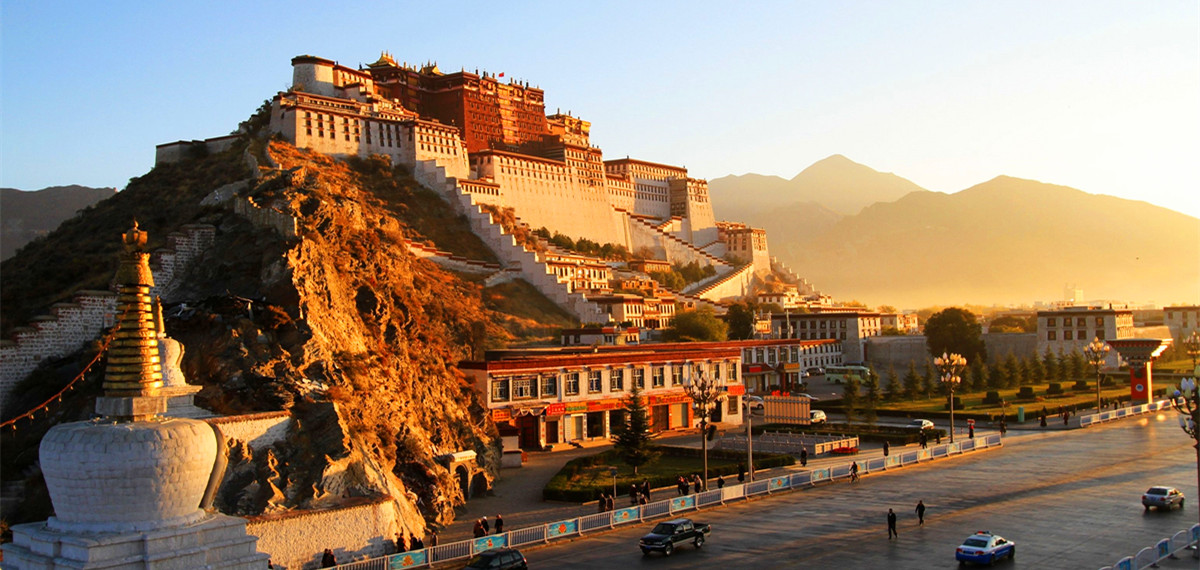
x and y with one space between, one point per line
886 447
803 456
853 471
328 560
499 524
891 518
1003 427
602 502
483 522
681 485
478 529
720 482
646 489
401 544
921 513
970 431
924 439
417 543
741 472
433 538
634 491
696 482
1066 417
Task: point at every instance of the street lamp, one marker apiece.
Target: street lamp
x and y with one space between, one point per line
704 392
949 367
1096 353
748 413
1187 403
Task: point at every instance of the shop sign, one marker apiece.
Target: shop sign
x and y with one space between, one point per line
791 366
501 414
668 399
735 390
601 405
556 409
753 369
576 407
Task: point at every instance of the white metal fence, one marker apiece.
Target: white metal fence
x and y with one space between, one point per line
784 442
1150 556
602 521
1089 419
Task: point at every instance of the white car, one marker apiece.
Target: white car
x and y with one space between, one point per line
984 547
755 403
817 417
920 424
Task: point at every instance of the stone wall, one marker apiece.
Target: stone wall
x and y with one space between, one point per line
71 325
295 540
259 431
284 224
167 153
677 251
897 351
1022 345
735 283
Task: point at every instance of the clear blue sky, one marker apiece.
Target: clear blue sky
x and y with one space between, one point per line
1102 96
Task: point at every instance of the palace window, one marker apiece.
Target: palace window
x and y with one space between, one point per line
550 386
639 378
524 388
594 381
733 372
676 375
1050 321
616 380
734 405
657 381
1066 335
1051 335
572 384
500 390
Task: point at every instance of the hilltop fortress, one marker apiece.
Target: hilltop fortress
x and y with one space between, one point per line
497 143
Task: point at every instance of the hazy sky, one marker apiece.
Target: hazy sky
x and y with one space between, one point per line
1101 96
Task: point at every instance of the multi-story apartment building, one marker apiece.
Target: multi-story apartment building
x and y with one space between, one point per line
850 327
1070 329
777 365
904 322
1182 320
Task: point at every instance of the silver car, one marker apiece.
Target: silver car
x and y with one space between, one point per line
1162 498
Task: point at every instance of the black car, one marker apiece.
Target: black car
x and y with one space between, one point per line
497 559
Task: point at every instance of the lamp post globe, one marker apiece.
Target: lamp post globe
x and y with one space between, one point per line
1096 353
950 367
1186 401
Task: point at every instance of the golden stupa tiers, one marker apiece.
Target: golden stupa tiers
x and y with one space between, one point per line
134 372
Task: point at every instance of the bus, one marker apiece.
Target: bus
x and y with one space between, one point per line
840 373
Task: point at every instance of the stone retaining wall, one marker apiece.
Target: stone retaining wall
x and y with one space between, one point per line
259 431
296 539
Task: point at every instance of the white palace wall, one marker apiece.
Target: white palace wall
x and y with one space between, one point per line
71 325
296 540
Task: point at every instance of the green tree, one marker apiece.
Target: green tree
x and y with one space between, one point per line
955 330
871 401
1064 369
1012 324
912 382
850 398
887 309
979 376
1037 371
741 317
631 438
997 377
930 383
1077 365
1013 376
668 279
699 324
891 331
1050 364
894 390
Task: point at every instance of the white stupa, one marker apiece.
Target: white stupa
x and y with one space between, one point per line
132 489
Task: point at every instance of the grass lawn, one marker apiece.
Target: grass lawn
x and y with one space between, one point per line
973 401
665 467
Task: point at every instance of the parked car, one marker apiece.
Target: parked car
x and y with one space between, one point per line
755 403
666 535
920 424
498 559
1162 498
984 547
814 371
817 416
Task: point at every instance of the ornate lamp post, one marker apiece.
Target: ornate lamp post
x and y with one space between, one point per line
748 413
1096 353
1187 403
705 393
950 367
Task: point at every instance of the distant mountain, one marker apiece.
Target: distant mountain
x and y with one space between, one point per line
836 183
25 216
1006 240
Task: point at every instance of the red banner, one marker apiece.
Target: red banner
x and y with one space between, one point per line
668 399
501 415
556 409
1139 385
735 390
601 405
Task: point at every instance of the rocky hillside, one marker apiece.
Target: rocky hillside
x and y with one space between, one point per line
26 216
341 326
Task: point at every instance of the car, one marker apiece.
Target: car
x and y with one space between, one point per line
1162 498
817 417
920 424
810 397
814 371
497 559
984 547
666 535
755 403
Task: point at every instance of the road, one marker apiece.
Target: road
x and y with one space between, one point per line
1068 500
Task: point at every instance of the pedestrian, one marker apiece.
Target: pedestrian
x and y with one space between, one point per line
971 431
401 544
417 543
328 560
483 522
886 447
803 456
924 438
478 529
1003 427
891 518
499 524
921 513
433 538
642 499
939 436
646 489
634 491
853 471
602 502
720 482
1042 420
1066 417
741 472
696 482
680 485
